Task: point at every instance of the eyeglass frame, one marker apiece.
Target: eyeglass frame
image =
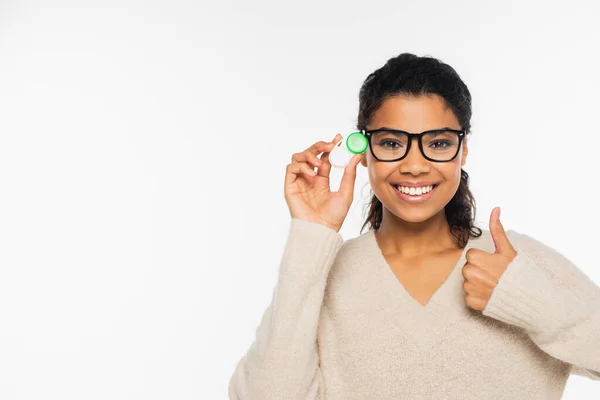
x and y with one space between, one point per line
368 133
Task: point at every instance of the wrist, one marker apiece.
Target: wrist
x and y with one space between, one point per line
320 222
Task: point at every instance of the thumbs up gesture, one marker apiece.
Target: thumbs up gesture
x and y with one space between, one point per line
483 270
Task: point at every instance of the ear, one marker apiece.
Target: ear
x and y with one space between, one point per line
363 159
465 151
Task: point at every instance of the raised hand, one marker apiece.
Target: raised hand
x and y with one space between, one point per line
308 193
483 270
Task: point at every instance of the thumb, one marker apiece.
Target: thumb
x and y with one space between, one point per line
498 233
349 177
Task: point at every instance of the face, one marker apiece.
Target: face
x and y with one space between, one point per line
414 115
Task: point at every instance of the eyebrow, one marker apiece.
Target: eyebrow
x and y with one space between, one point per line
395 129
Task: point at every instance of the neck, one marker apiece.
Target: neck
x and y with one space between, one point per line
414 239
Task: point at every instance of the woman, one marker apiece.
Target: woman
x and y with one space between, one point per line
424 305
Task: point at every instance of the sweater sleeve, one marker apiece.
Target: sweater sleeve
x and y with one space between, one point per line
283 360
558 305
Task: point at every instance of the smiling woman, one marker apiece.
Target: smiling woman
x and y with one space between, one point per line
436 161
424 305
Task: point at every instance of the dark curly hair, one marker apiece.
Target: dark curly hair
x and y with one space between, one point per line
410 75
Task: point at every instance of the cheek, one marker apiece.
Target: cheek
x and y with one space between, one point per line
452 173
379 172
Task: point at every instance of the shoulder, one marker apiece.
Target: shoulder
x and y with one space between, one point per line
357 248
357 256
528 244
521 242
482 242
538 252
556 266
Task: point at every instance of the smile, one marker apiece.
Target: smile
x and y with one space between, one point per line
415 195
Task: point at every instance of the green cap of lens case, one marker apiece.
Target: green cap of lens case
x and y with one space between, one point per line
355 143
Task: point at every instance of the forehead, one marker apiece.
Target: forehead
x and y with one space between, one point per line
414 114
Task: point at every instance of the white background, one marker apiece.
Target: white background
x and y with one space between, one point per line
143 147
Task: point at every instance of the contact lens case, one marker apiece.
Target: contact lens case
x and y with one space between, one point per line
355 143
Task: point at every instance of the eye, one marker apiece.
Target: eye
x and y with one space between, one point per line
441 144
389 143
389 140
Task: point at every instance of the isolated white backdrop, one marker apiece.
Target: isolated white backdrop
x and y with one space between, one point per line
143 147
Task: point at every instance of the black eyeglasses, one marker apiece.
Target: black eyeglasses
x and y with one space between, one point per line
438 145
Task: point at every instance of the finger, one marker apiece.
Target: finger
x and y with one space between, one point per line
337 138
477 256
310 154
483 279
321 146
295 169
306 157
349 177
325 167
499 236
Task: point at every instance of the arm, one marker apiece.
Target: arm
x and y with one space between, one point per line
554 301
283 361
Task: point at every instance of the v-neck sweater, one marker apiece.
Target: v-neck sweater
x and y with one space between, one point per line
341 326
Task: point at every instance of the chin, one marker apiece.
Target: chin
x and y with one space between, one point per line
414 216
415 213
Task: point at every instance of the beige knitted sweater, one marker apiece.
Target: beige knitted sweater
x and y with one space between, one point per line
341 327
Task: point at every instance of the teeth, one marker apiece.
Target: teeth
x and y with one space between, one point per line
414 191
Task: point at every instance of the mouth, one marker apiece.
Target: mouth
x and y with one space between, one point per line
415 195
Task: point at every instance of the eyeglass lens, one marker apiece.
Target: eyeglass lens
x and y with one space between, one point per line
439 145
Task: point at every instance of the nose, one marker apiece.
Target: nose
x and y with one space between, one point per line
414 162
